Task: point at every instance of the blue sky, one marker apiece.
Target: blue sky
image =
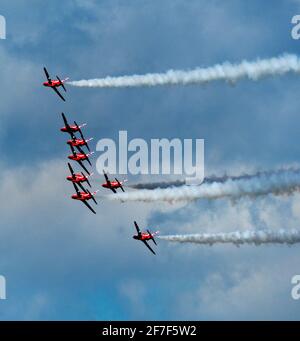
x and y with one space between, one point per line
61 262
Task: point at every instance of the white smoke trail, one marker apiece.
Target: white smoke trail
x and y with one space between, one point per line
159 184
239 238
226 72
208 179
262 183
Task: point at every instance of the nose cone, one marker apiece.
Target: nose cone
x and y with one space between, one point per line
135 237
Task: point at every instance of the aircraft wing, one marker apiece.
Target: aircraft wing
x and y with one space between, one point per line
87 156
65 120
152 237
76 188
73 137
120 185
108 182
88 206
88 160
92 197
72 149
87 145
80 185
137 227
83 166
59 94
71 169
47 75
80 131
106 177
61 83
80 150
87 180
112 188
82 137
148 246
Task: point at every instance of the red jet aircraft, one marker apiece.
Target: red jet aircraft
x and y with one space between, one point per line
75 142
54 84
113 185
79 157
84 197
144 236
78 178
71 129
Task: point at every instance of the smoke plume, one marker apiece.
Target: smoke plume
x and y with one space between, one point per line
262 183
239 238
226 71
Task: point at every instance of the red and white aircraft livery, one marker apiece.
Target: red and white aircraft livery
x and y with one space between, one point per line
113 185
71 129
79 157
79 142
145 236
75 142
78 178
84 197
54 84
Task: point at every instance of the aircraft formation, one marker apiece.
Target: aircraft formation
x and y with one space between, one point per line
80 179
79 156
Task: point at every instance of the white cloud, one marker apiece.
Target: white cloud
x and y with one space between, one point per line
253 292
135 292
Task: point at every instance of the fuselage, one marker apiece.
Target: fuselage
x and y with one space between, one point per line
82 196
70 129
77 142
78 157
77 178
143 236
53 84
113 184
